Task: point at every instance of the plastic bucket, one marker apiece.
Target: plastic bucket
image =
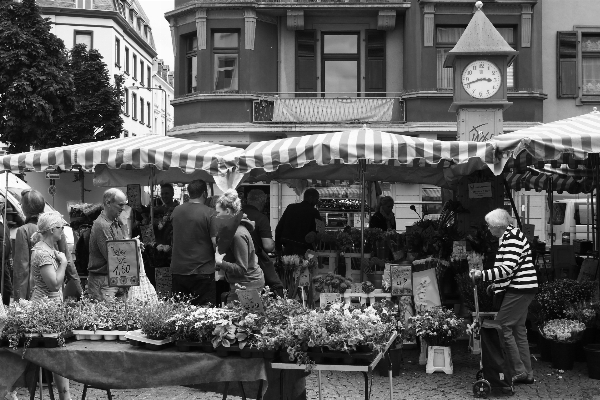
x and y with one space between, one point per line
592 353
563 355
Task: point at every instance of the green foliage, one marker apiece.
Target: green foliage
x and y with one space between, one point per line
36 88
555 298
98 104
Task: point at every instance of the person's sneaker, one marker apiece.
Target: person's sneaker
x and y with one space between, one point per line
522 378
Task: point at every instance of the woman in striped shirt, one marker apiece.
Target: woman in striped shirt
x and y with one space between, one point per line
515 275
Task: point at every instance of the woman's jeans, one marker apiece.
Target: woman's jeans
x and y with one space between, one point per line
512 316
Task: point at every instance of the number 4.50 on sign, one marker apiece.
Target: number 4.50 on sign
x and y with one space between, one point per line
123 263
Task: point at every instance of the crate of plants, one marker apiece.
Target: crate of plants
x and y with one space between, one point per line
108 320
43 323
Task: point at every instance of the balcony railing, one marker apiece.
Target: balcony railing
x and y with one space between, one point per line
328 110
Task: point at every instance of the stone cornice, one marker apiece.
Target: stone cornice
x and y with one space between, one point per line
113 15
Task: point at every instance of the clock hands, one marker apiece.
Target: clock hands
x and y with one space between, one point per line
480 79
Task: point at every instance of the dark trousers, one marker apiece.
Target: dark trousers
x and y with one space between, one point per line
7 290
201 287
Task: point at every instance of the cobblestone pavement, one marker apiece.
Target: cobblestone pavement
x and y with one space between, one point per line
413 383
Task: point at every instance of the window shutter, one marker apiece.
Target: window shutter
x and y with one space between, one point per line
567 64
306 63
375 62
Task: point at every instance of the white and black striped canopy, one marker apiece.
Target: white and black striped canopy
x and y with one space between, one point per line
162 152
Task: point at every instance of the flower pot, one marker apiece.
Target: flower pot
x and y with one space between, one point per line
544 347
563 355
316 354
207 347
269 354
376 278
587 338
50 335
439 358
245 353
364 348
284 356
221 351
592 352
122 338
95 337
110 337
31 335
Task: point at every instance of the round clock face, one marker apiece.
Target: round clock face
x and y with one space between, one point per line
481 79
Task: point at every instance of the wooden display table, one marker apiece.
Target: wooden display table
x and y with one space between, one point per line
365 369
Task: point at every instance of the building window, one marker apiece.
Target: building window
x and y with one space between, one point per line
131 15
155 125
134 106
142 73
446 39
225 47
117 52
126 102
141 110
149 76
139 25
148 115
134 67
146 31
84 37
127 60
340 64
590 64
86 4
191 64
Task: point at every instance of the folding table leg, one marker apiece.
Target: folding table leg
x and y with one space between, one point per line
391 385
319 379
225 390
281 385
242 389
49 379
41 388
366 385
259 395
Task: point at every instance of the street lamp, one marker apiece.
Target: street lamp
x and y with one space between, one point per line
164 95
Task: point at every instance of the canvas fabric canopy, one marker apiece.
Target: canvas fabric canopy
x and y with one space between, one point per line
568 141
161 152
539 182
389 157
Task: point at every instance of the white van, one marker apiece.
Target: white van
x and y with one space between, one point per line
15 187
572 220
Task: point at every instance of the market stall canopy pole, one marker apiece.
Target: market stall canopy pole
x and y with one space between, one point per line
6 235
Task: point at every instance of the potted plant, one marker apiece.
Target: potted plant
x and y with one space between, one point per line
564 334
374 268
293 268
331 283
438 328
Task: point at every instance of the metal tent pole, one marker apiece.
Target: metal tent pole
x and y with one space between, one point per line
512 203
152 196
362 215
551 206
5 235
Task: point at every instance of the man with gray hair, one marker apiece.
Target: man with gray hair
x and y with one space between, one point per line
107 226
262 237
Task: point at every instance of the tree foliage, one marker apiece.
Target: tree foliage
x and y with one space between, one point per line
97 113
36 87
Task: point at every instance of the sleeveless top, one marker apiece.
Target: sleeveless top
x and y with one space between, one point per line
40 256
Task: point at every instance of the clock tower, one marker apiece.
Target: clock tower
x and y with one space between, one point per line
480 60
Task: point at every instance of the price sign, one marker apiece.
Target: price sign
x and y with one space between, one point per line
251 300
329 298
480 190
401 279
123 263
134 196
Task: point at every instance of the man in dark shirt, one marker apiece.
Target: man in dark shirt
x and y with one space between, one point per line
262 237
193 257
296 222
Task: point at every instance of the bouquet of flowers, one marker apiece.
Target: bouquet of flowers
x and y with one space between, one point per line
331 283
293 267
367 287
563 330
372 264
437 326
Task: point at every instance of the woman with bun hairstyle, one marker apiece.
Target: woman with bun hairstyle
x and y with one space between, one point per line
48 268
239 262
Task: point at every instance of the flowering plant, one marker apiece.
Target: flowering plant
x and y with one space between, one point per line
583 312
554 298
155 318
372 264
293 267
563 330
437 326
331 283
367 287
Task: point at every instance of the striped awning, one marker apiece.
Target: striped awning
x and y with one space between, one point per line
539 181
567 141
163 152
388 153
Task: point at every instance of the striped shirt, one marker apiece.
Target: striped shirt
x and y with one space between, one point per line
513 269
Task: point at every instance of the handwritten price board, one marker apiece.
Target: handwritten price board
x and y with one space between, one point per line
401 279
251 300
134 196
123 263
329 298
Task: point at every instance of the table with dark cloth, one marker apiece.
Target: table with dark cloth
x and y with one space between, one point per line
115 365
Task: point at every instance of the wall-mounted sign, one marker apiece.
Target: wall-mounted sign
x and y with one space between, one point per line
480 190
52 175
123 263
134 196
329 298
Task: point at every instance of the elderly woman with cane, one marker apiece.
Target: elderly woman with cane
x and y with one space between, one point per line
514 283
